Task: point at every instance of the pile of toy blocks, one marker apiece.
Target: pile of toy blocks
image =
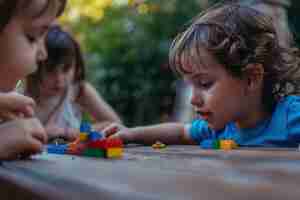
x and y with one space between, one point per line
90 143
225 144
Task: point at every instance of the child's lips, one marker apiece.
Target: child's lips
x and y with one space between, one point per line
204 115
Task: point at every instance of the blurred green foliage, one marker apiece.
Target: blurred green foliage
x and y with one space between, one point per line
294 22
126 46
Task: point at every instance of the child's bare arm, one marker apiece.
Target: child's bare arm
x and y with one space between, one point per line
21 137
92 102
168 133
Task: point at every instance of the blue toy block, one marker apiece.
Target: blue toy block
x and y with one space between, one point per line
207 144
94 135
57 149
85 127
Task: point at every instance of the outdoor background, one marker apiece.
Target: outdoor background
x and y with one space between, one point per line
126 44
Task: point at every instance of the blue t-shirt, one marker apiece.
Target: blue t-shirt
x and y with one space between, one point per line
282 129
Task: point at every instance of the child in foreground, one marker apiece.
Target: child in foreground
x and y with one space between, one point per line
242 83
23 25
61 92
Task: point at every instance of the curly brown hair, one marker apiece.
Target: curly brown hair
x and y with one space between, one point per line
238 35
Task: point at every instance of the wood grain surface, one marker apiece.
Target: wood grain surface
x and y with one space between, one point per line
177 172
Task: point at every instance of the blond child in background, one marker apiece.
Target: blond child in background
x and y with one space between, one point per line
242 82
61 92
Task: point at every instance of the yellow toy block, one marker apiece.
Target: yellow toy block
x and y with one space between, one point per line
114 152
83 137
158 145
228 144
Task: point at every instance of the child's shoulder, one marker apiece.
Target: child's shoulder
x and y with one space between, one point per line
289 102
288 110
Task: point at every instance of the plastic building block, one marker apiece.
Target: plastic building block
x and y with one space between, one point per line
94 135
90 143
158 145
114 153
94 152
207 144
83 137
112 143
227 144
85 127
210 144
76 149
216 144
57 149
97 144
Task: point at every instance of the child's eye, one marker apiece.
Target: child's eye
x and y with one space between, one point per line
31 38
206 85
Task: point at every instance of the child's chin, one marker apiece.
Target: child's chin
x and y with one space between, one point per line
215 127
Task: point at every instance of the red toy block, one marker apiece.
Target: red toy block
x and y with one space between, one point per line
97 144
76 149
113 143
106 143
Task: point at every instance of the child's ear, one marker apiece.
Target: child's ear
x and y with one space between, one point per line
254 75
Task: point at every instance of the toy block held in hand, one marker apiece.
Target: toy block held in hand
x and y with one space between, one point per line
228 144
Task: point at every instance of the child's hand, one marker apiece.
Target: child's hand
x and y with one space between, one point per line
21 137
116 130
14 105
54 132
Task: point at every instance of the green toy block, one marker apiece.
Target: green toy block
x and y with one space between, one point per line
94 152
86 117
216 144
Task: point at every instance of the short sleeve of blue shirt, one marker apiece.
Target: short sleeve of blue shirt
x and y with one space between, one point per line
281 130
293 119
199 131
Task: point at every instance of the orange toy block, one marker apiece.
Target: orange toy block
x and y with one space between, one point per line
228 144
114 152
83 137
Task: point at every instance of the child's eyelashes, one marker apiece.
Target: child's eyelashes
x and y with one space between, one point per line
35 35
31 38
205 85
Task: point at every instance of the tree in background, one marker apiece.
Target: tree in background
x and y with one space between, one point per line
126 45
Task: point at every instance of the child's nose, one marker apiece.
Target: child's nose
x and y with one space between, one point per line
42 52
196 98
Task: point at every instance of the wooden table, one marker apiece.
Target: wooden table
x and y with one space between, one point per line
178 172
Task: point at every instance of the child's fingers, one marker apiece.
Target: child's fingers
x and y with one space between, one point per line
18 101
41 136
35 146
110 130
27 101
28 111
71 134
38 132
116 135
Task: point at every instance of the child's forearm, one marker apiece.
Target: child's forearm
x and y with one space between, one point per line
99 126
168 133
